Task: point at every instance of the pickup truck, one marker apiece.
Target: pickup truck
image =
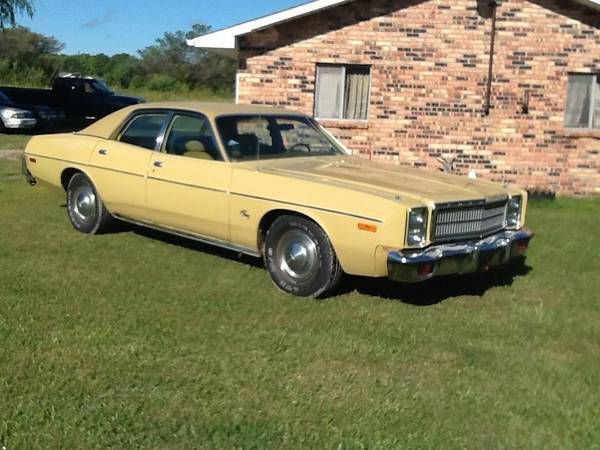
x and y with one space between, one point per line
83 99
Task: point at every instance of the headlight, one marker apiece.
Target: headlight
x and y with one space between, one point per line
417 227
513 212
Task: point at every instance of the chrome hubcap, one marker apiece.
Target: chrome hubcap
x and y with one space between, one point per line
297 255
84 204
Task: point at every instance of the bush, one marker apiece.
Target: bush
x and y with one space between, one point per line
164 83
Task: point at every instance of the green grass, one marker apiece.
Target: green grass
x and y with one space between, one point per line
13 141
135 340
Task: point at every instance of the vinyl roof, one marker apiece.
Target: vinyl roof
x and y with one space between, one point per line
225 41
105 127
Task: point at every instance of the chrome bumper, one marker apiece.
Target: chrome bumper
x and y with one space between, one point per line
26 173
20 124
413 266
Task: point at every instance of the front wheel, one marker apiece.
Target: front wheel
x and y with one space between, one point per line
300 258
86 210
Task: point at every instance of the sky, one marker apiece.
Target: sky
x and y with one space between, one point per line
116 26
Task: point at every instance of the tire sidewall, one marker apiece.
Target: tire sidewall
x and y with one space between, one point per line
77 180
325 257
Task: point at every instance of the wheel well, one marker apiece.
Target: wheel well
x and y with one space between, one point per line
66 176
270 217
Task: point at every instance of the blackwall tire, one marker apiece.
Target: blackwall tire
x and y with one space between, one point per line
300 258
85 208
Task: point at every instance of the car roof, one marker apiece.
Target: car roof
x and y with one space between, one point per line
106 127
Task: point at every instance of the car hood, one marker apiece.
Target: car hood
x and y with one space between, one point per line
127 100
387 180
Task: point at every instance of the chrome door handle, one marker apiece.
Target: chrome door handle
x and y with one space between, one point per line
103 152
158 164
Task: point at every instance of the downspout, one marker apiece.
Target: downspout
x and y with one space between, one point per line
488 94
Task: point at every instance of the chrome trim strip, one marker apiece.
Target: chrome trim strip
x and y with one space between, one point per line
192 236
123 172
341 213
91 166
55 159
195 186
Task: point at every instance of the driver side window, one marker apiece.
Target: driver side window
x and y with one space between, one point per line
191 137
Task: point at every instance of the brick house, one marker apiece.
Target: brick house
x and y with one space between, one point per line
409 81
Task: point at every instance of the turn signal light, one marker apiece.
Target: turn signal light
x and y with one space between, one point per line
367 227
425 270
522 246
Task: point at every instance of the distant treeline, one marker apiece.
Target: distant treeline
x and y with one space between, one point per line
31 59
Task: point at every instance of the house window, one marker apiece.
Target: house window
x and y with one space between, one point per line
342 92
583 102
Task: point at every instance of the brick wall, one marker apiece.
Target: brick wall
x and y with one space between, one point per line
429 70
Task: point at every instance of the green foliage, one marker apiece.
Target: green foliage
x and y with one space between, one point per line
137 340
31 59
10 8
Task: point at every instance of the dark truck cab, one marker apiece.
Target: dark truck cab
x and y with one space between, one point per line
83 99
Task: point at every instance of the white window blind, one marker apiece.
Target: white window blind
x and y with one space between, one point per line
583 102
342 92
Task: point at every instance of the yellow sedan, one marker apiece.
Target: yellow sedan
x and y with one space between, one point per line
273 183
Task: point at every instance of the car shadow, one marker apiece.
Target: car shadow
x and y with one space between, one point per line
429 293
190 244
437 290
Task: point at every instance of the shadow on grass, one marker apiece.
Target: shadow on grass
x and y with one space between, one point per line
430 293
438 290
121 227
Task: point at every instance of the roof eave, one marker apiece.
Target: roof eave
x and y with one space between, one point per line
225 41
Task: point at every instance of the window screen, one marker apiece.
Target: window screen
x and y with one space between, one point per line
583 102
144 130
342 92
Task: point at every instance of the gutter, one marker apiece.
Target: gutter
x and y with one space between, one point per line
488 94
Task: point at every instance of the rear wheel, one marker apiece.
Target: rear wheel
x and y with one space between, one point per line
86 210
300 258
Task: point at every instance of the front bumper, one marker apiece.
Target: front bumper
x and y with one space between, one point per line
413 266
20 124
26 173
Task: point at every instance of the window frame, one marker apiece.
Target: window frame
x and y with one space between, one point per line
171 120
133 116
171 113
334 142
344 99
595 93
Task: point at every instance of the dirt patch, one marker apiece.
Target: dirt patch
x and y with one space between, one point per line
10 155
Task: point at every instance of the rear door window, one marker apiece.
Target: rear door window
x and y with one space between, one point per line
144 130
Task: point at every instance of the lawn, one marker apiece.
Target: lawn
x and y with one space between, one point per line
136 340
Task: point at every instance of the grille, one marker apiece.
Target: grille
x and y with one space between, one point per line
468 220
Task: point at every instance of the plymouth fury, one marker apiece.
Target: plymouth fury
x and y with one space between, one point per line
273 183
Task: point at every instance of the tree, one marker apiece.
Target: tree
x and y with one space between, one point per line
172 58
27 57
21 43
10 8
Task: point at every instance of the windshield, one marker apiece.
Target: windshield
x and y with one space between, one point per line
249 137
